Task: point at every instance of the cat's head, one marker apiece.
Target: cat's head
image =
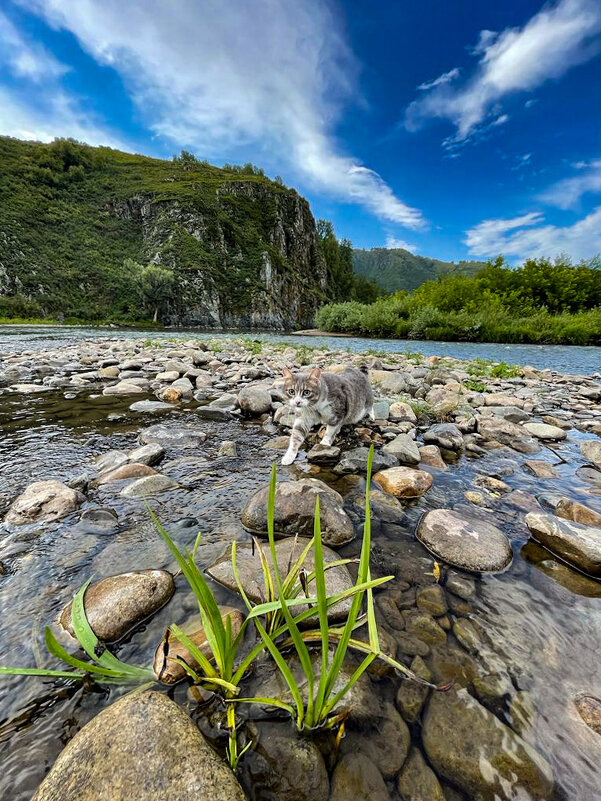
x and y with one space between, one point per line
302 389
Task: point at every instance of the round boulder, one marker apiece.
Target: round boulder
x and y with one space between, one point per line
470 544
545 431
115 604
295 511
254 400
404 482
445 435
142 747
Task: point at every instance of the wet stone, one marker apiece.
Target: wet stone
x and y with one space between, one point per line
432 600
386 745
418 781
357 778
590 475
466 633
43 502
212 413
148 485
142 742
295 511
411 696
470 544
540 469
591 450
115 604
124 471
545 432
577 544
460 585
178 437
149 406
355 461
404 449
227 449
148 454
577 512
431 456
404 482
445 435
589 709
110 460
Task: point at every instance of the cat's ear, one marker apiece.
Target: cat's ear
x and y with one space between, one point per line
315 374
287 374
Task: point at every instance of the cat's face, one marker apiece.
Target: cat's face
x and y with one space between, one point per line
302 389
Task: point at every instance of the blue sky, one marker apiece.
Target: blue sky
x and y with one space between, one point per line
460 129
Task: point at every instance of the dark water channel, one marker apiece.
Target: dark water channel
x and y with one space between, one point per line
542 620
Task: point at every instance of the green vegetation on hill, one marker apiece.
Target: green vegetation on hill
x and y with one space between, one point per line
396 269
78 224
541 302
345 284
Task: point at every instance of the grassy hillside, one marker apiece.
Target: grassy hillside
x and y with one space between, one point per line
395 269
75 220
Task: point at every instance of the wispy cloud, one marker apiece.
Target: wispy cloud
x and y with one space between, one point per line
24 58
446 77
394 242
267 73
515 60
566 194
527 236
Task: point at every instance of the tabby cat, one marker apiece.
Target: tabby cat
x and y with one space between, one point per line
330 399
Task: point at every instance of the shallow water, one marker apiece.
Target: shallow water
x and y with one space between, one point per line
563 358
542 620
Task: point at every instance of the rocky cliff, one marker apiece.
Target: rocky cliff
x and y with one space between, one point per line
75 220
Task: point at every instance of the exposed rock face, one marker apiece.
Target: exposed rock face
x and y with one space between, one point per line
141 745
472 749
295 511
577 544
466 543
43 502
250 571
115 604
274 284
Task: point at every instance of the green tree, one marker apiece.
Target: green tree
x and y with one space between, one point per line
156 285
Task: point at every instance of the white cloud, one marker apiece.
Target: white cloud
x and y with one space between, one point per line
45 118
394 242
267 73
526 236
566 193
26 59
559 37
446 77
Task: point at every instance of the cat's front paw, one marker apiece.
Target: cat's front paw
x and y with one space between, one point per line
288 458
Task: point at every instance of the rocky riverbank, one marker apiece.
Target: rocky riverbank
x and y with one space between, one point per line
469 476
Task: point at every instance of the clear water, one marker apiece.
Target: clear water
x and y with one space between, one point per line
563 358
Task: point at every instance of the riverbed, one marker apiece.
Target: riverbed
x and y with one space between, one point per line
563 358
538 622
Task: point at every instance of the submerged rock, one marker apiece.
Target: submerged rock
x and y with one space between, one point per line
115 604
589 709
540 469
250 571
467 543
472 749
577 544
148 485
404 482
172 436
43 502
578 512
418 781
357 778
295 511
165 666
142 747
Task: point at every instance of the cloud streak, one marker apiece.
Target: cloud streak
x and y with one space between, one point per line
274 74
566 194
515 60
527 236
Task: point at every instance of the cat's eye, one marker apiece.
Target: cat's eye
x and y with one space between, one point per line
291 392
306 393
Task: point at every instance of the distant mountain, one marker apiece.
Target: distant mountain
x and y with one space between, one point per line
394 269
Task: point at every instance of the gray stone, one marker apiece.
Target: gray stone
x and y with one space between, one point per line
381 409
147 486
116 604
150 454
401 412
590 475
445 435
357 778
124 471
323 454
507 433
431 456
545 432
295 511
468 746
418 781
109 460
288 550
467 543
213 413
124 388
226 401
512 413
540 468
577 544
43 502
386 744
404 449
149 406
142 745
254 400
355 461
178 437
228 449
591 450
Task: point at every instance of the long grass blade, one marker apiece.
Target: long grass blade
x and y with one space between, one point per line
50 674
193 650
57 650
322 612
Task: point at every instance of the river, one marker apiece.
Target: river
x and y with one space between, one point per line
563 358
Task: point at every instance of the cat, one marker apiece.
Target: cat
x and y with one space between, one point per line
330 399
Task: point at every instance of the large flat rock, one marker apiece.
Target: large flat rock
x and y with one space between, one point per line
575 543
465 542
142 748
